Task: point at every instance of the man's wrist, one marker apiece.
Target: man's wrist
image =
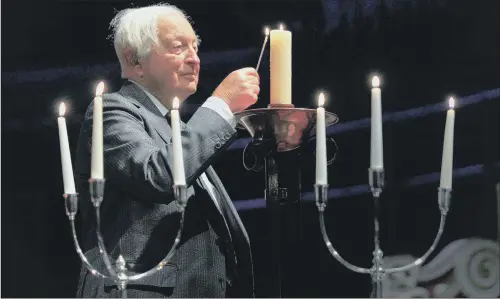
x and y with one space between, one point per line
222 108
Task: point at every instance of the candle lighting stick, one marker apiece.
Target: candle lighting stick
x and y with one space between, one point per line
263 48
118 274
376 183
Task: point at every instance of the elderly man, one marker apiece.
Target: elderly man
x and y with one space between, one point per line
157 49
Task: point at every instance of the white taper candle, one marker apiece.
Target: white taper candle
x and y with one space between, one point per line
97 158
447 159
67 167
178 158
376 146
321 167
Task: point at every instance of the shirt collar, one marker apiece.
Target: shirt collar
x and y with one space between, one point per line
158 104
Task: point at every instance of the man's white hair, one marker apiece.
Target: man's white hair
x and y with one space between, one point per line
137 28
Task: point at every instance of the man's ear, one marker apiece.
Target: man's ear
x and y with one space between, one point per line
133 61
131 58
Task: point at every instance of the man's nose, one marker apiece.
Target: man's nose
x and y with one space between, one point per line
193 57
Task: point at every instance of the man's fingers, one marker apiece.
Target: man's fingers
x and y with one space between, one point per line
252 80
251 71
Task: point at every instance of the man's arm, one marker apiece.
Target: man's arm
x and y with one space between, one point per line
140 165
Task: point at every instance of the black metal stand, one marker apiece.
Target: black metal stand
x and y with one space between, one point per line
278 134
283 200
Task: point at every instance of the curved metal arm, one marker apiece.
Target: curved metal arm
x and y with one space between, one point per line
82 255
444 196
96 187
100 243
120 276
424 257
71 204
167 258
321 202
321 199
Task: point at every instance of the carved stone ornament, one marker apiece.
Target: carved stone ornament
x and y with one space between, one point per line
464 268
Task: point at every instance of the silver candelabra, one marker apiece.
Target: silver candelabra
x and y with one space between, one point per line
119 273
377 271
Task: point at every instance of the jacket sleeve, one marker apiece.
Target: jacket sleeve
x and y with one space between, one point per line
142 166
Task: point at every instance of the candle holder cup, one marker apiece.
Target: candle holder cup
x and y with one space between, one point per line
278 134
118 273
378 271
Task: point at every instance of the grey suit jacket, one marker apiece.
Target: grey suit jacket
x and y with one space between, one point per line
138 216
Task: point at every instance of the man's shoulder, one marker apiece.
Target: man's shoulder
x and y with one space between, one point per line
116 100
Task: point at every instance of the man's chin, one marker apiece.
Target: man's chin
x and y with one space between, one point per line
191 88
186 92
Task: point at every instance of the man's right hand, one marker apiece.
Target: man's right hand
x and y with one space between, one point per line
240 89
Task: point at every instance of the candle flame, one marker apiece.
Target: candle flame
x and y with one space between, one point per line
99 90
281 27
62 109
267 31
321 100
375 81
451 103
175 103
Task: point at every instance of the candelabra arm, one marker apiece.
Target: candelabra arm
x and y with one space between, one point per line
180 192
71 203
119 275
96 187
321 192
444 196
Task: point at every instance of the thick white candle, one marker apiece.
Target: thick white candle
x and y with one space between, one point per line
67 167
447 159
376 146
281 66
97 161
321 169
178 171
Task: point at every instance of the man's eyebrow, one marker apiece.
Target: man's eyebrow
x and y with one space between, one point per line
181 36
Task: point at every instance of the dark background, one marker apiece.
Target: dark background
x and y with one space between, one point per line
424 50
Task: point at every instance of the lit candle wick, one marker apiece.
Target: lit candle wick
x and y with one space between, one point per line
451 103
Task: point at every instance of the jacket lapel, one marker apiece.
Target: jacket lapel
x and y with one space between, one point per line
138 97
226 202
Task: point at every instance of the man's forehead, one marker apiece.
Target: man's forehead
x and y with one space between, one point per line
176 26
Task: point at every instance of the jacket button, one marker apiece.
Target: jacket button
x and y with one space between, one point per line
217 145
